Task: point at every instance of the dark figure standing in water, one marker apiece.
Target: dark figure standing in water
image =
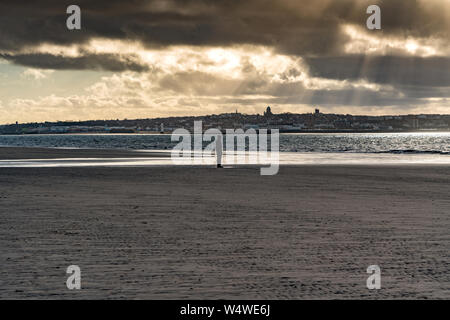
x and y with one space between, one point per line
219 150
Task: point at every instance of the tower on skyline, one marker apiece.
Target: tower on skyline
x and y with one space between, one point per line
268 112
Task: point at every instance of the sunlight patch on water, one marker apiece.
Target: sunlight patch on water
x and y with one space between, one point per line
285 158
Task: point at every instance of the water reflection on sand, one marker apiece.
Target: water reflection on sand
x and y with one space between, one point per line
285 158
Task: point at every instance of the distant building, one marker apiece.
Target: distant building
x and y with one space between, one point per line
268 112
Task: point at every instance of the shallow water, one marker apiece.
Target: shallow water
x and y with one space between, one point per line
396 143
283 158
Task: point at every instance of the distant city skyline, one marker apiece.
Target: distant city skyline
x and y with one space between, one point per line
285 122
161 58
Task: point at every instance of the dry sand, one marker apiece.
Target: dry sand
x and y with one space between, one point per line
309 232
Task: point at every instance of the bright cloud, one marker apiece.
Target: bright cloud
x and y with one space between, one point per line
187 80
362 41
36 74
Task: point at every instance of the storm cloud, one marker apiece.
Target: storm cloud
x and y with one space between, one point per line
415 71
109 62
291 26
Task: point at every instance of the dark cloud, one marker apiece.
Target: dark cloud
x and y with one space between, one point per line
291 26
413 71
108 62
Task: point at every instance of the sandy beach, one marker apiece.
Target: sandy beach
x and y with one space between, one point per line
309 232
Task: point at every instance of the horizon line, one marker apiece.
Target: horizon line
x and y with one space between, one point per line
228 113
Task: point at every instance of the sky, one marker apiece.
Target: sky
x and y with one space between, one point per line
146 59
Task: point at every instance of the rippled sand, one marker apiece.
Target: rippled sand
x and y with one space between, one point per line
169 233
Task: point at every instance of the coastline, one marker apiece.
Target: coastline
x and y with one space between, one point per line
281 131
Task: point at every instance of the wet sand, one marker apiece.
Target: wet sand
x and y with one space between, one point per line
309 232
16 153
